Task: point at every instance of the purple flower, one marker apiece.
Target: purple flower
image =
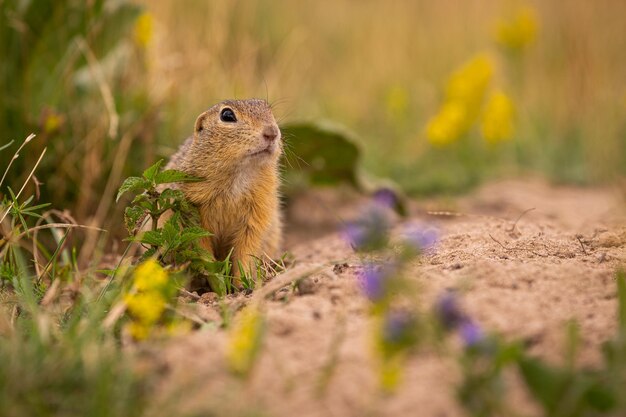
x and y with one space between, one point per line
471 333
370 231
448 311
385 197
421 237
373 280
398 326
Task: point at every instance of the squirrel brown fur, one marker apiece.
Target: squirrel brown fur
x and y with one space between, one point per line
235 150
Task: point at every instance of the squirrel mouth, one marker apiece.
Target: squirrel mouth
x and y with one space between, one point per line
265 151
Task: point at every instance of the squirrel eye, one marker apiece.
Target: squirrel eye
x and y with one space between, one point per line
228 116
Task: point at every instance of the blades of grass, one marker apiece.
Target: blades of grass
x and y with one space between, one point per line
25 182
621 297
112 277
60 240
52 261
15 156
3 147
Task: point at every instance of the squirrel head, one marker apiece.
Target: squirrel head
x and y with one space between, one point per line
236 134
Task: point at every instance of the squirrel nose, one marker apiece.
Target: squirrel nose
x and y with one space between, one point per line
270 133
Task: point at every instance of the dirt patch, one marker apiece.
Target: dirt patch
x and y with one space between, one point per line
523 273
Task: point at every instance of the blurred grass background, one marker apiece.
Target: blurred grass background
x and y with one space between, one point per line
379 69
110 86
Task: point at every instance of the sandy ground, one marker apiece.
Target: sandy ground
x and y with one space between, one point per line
522 278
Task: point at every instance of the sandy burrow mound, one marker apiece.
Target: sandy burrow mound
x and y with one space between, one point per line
523 277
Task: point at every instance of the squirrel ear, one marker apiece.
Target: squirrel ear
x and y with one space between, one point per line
200 123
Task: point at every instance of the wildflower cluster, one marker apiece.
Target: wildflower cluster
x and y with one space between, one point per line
463 106
148 298
518 31
396 323
451 317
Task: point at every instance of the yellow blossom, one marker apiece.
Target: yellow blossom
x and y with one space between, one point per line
139 331
146 307
143 29
150 276
52 122
245 340
498 118
465 92
519 31
468 84
449 124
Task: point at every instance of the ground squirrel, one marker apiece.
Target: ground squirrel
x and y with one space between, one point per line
235 149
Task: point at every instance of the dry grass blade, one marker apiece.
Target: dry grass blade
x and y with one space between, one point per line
58 225
25 182
65 217
105 89
298 272
15 156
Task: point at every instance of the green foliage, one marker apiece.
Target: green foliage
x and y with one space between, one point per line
15 232
57 358
69 71
66 364
325 154
175 232
482 390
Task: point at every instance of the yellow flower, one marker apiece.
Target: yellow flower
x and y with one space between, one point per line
143 29
498 118
468 84
391 371
52 123
449 124
519 31
465 92
150 276
146 307
245 340
139 331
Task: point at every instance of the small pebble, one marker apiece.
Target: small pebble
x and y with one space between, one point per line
305 286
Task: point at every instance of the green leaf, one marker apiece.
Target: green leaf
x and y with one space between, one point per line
193 233
171 232
172 175
324 154
150 173
328 154
170 193
546 384
132 184
601 397
152 237
132 218
148 254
